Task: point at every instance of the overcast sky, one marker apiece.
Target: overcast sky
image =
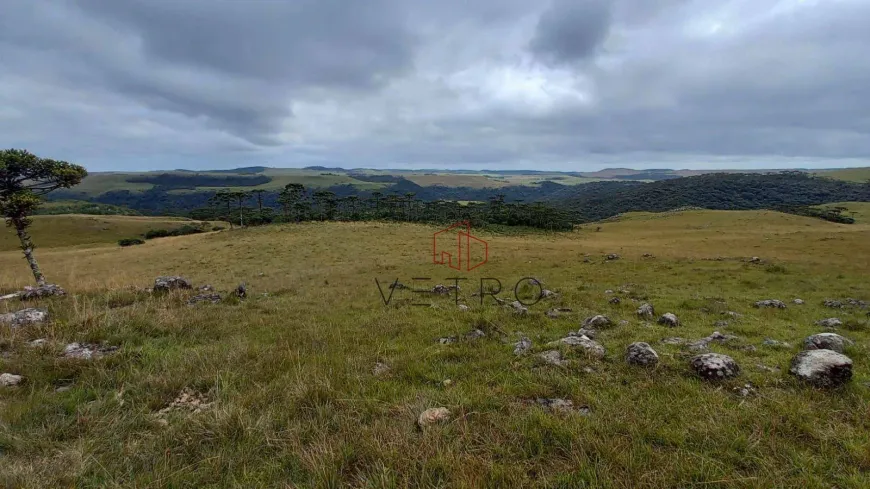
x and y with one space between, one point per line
496 84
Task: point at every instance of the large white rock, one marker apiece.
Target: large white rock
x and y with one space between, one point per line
822 368
10 380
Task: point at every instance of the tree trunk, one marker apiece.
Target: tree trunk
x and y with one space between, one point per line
27 248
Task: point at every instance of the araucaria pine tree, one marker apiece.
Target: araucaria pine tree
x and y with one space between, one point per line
24 179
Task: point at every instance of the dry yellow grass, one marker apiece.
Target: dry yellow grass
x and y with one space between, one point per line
297 405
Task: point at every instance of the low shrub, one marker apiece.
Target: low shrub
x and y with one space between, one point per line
130 242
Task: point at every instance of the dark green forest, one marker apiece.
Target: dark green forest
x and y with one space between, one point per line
548 205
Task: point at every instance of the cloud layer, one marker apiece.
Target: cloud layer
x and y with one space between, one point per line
567 84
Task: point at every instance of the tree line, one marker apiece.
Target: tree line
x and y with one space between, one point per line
296 203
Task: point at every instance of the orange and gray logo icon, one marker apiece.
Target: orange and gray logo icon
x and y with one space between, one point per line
465 247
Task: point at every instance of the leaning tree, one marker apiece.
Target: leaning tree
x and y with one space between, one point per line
24 178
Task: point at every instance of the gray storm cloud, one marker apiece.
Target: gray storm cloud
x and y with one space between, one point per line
567 84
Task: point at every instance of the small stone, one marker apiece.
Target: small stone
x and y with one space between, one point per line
523 346
10 380
241 291
48 290
447 382
755 259
557 404
822 368
833 304
674 341
732 314
641 354
519 308
448 340
474 334
830 323
714 366
553 357
615 300
774 303
591 333
646 311
598 321
623 322
648 255
462 307
432 416
669 319
38 343
775 343
608 291
212 298
206 288
380 368
721 324
611 257
87 351
745 391
765 368
827 341
798 302
548 294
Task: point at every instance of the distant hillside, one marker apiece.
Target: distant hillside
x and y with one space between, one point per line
722 191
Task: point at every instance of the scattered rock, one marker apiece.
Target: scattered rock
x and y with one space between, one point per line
703 343
646 311
523 346
799 302
166 284
755 259
444 289
721 324
462 307
535 281
556 312
669 319
775 343
585 332
674 341
774 303
447 382
10 380
474 334
641 354
432 416
822 368
561 405
765 368
519 308
611 257
833 304
615 300
553 357
830 323
241 291
714 366
856 303
732 314
745 391
380 368
591 347
48 290
24 317
212 298
598 321
623 322
648 255
448 340
87 351
205 288
548 294
608 291
188 400
827 341
398 285
38 343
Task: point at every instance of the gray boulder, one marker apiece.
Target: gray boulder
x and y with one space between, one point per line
669 319
771 303
166 284
523 346
714 366
641 354
827 341
87 351
591 347
830 323
24 317
598 321
553 357
646 311
10 380
822 368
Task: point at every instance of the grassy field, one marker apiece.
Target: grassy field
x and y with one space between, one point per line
289 370
78 230
848 174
